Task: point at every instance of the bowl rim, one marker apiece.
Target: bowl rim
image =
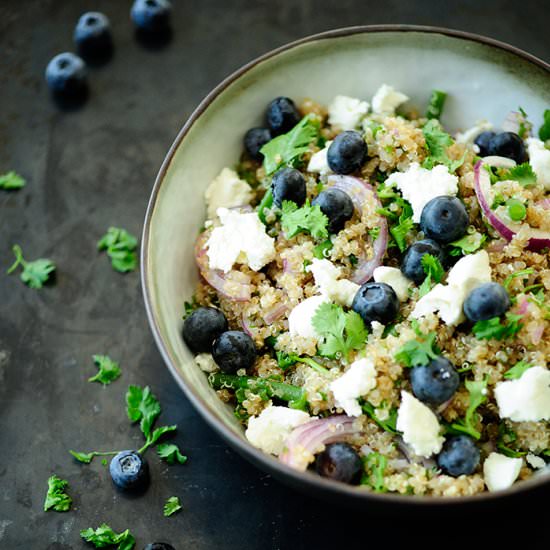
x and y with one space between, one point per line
257 457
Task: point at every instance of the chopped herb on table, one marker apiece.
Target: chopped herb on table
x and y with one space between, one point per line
478 395
307 219
109 370
121 248
104 536
172 506
36 273
11 181
171 453
56 497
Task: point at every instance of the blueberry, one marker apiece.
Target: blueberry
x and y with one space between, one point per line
282 115
254 140
347 152
340 461
234 350
482 141
411 265
288 184
376 302
202 327
129 471
66 74
486 301
509 145
435 382
444 219
336 205
159 546
459 456
92 34
151 15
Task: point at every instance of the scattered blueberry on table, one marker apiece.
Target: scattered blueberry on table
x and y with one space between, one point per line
92 36
66 75
152 16
159 546
129 471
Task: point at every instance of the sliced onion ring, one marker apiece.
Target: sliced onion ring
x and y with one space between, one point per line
310 438
482 182
360 191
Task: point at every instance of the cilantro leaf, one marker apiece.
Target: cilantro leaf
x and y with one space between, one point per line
108 370
544 131
104 536
86 458
189 307
35 273
437 142
388 425
170 453
142 405
405 224
11 181
308 219
521 273
436 103
287 148
120 246
517 370
156 435
497 328
340 331
373 476
171 506
322 250
418 352
522 173
467 244
506 436
56 497
265 203
478 395
434 272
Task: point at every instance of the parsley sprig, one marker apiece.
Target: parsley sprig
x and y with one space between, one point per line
104 536
420 351
171 506
437 142
11 181
121 248
109 370
340 331
34 273
307 219
478 395
522 173
56 497
498 329
170 453
286 360
434 273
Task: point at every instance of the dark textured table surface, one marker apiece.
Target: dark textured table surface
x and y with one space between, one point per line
92 168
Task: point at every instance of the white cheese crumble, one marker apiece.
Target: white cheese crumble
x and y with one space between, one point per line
270 429
539 159
240 239
419 426
419 185
227 190
535 461
500 471
469 135
468 273
318 162
326 274
206 362
356 382
346 112
299 320
387 99
395 278
526 399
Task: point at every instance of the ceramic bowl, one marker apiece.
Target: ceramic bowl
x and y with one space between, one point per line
484 78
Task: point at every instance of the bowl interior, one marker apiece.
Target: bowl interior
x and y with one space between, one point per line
483 82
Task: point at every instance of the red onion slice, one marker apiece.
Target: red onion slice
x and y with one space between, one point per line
360 191
482 182
233 285
274 313
310 438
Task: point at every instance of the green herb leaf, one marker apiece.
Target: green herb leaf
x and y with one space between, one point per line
405 224
435 106
86 458
434 273
104 536
525 126
120 246
322 250
142 405
265 203
35 273
437 142
478 395
11 181
307 219
172 506
521 273
374 233
497 328
56 497
375 466
544 131
418 352
468 244
522 173
507 436
189 307
287 148
156 435
170 453
388 425
108 370
517 370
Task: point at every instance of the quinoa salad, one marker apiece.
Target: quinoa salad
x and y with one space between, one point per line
373 294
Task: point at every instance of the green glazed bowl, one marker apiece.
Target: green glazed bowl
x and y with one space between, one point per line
485 80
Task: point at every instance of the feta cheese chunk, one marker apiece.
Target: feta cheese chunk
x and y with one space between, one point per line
270 429
240 239
419 185
539 159
356 382
226 191
395 278
419 426
535 461
326 276
500 471
206 362
299 320
469 135
526 399
469 272
345 113
386 100
318 162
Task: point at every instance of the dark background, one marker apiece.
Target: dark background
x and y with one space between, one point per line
92 168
